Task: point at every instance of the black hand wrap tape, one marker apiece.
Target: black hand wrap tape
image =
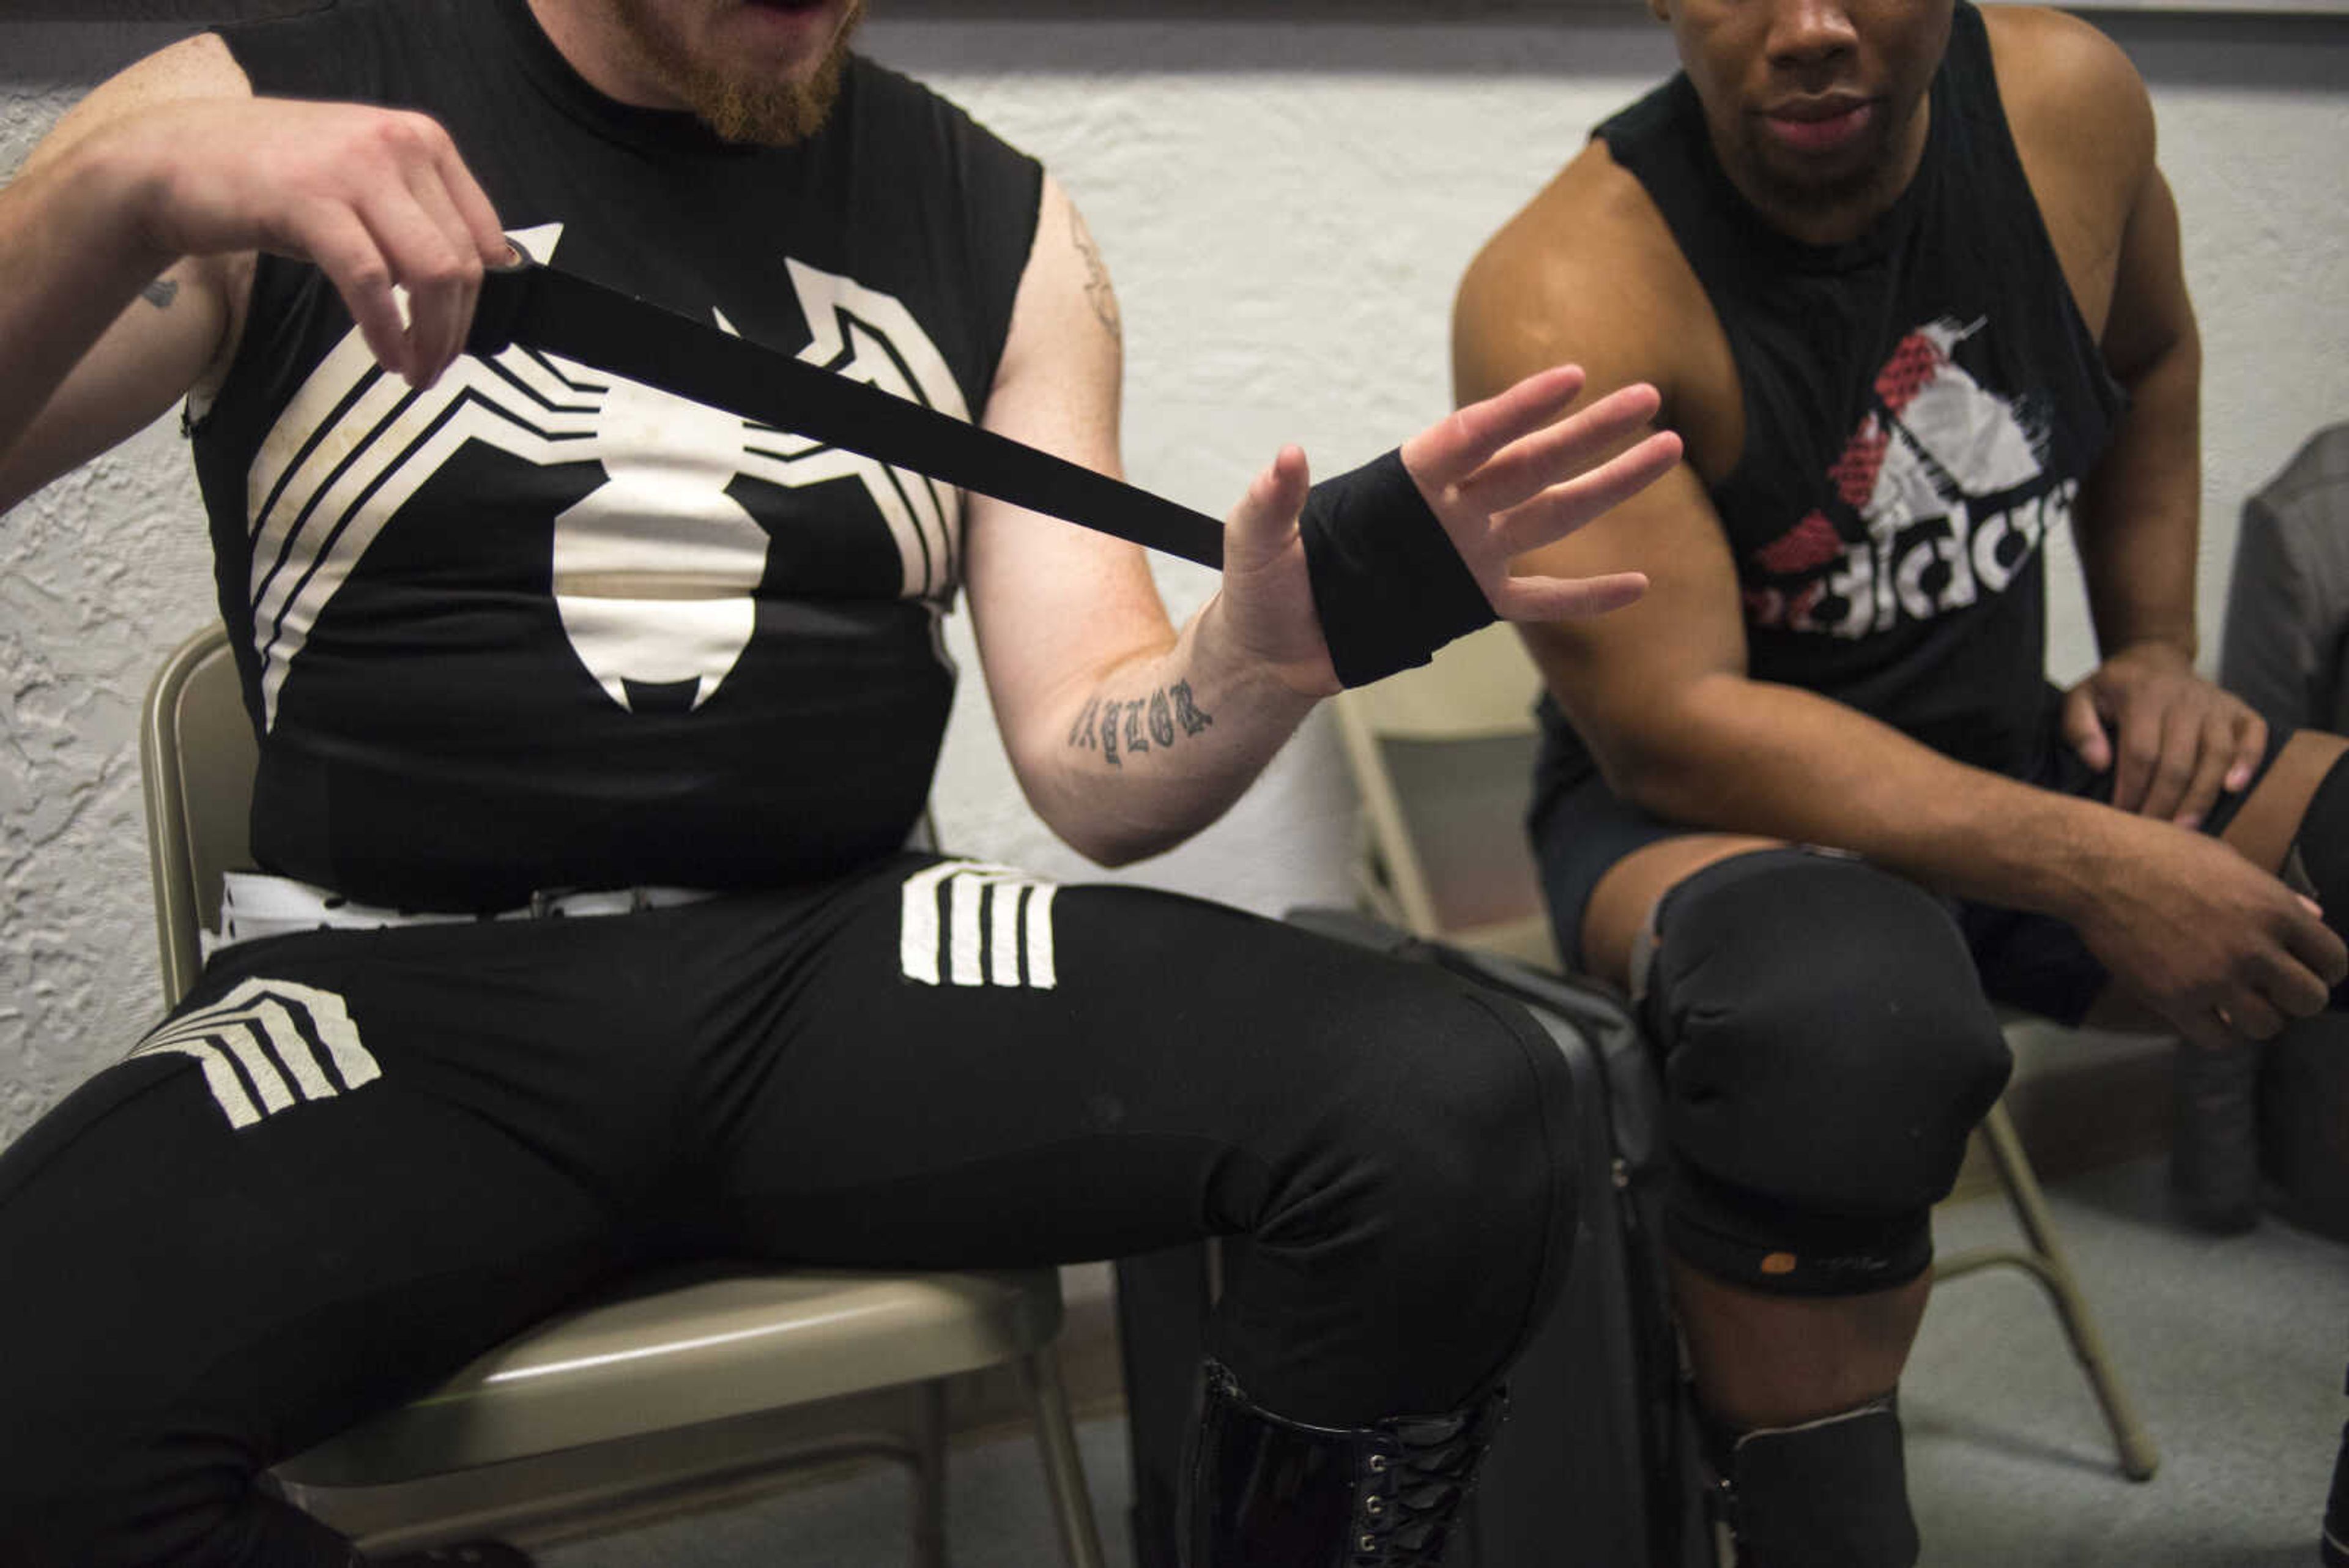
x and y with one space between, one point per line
1389 587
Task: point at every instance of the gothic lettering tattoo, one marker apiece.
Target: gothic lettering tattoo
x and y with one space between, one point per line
1097 285
1109 733
160 293
1186 711
1080 734
1122 728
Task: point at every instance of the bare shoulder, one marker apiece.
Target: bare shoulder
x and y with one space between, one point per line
194 67
2083 126
1573 276
2071 93
1588 273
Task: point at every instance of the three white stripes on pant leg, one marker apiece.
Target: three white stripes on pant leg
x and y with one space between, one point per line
965 922
259 1028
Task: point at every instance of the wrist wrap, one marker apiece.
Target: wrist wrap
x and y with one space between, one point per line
1389 585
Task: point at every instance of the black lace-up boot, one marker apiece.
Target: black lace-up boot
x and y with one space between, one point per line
1829 1493
1270 1493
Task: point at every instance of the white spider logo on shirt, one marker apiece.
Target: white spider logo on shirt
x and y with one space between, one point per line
654 570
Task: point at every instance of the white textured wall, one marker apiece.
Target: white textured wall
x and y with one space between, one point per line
1287 209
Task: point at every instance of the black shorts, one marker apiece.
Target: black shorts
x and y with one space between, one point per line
2034 961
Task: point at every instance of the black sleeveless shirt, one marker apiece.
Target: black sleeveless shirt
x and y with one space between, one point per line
540 627
1921 404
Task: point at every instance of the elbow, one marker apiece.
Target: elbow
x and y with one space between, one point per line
1649 779
1110 849
1089 822
1665 768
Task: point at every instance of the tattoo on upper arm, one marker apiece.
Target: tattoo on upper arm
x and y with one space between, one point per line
160 293
1122 728
1097 285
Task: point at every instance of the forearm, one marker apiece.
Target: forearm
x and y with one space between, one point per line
1753 757
1131 759
73 255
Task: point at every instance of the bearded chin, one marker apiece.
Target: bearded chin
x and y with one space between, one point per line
770 114
754 112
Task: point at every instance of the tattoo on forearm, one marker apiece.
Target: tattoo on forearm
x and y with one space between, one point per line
1119 728
1097 284
160 292
1187 713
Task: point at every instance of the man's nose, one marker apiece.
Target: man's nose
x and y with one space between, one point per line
1803 32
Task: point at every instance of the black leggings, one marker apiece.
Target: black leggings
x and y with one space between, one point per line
357 1159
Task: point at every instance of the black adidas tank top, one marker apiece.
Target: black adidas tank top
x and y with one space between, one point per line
542 627
1921 405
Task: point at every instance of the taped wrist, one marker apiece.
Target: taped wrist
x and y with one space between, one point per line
1387 585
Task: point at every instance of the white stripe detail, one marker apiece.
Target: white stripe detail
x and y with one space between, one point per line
1003 927
986 909
258 1013
219 1077
917 922
240 1036
965 944
278 1028
1042 975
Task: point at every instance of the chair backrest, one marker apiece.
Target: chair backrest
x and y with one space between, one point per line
1443 756
196 755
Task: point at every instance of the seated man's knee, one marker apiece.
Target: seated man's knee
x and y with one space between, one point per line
1827 1050
1464 1102
1450 1158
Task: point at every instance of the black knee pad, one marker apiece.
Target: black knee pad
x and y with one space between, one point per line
1828 1049
2318 864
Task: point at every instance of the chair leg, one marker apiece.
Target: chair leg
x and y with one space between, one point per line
1064 1474
930 1457
2047 1263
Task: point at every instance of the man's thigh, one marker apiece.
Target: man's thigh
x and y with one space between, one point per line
259 1227
981 1067
1606 863
973 1069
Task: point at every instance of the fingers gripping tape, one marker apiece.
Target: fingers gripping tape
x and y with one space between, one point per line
1388 584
